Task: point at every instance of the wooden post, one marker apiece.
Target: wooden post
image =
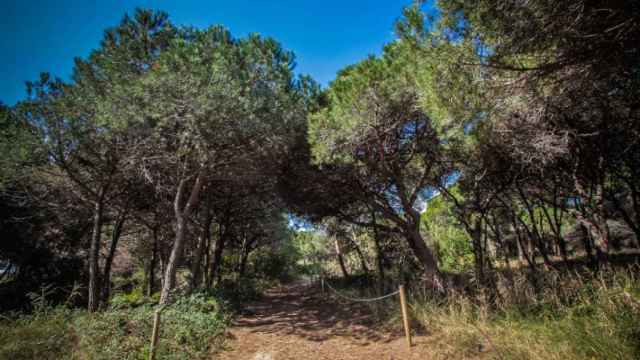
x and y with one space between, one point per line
155 335
405 315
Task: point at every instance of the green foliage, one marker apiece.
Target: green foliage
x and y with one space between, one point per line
313 248
227 91
237 293
452 242
275 265
349 118
132 299
37 336
17 146
191 329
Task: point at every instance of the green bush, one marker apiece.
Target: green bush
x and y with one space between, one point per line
451 242
132 299
191 328
40 336
275 265
236 293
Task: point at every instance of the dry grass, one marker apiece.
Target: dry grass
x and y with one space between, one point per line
553 315
563 317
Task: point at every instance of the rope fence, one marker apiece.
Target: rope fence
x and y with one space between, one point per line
359 299
403 304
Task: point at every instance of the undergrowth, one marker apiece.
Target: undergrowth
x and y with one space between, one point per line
562 317
192 328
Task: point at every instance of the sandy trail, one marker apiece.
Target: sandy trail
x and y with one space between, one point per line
296 322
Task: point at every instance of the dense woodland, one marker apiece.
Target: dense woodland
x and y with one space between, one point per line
496 141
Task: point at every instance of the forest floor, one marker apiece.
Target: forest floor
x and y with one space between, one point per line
297 322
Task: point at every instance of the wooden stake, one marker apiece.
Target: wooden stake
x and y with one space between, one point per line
405 315
155 335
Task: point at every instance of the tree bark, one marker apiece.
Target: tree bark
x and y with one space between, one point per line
478 252
152 264
363 261
243 261
205 260
420 249
426 257
343 268
196 266
217 256
94 252
379 256
181 214
106 275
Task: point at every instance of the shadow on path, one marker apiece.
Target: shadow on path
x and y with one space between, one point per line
302 311
297 322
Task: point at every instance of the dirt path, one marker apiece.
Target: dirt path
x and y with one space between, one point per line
295 322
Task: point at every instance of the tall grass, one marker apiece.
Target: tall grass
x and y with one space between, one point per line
561 317
550 316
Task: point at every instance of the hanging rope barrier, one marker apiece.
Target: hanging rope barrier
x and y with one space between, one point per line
359 299
403 304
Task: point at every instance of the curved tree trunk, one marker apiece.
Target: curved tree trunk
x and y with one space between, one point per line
426 258
411 227
172 264
181 214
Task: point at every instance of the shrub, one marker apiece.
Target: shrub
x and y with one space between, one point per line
191 328
37 336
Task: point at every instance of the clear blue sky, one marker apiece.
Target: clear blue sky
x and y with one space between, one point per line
326 35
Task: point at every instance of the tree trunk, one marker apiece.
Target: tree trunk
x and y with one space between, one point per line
363 261
181 214
172 264
94 253
596 219
588 247
196 267
152 264
426 258
600 218
217 257
106 275
524 252
379 258
411 227
243 261
343 268
476 241
206 258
